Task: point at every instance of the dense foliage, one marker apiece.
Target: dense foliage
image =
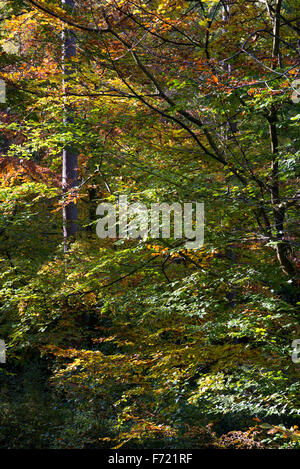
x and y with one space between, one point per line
144 343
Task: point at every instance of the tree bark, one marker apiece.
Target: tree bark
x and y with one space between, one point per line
282 246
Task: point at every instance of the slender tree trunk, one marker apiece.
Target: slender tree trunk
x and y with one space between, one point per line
69 157
232 125
282 247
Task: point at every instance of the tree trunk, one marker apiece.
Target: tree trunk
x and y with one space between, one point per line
69 157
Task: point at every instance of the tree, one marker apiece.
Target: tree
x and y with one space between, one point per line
147 343
70 160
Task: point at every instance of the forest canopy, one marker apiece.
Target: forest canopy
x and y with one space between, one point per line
145 341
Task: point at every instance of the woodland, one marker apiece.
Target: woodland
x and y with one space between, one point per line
144 343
